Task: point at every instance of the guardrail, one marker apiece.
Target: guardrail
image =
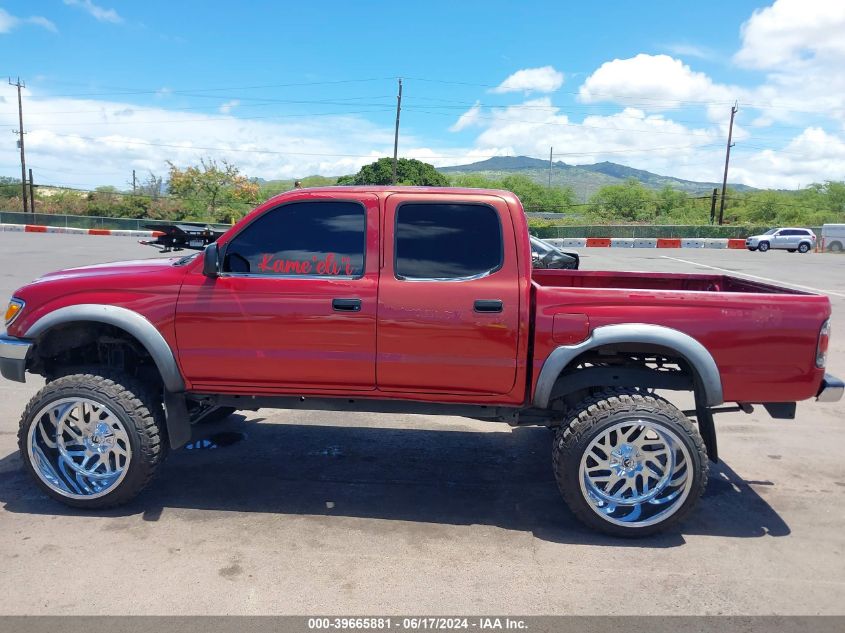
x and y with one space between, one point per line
651 231
85 221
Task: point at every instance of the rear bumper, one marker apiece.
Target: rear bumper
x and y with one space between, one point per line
13 353
831 389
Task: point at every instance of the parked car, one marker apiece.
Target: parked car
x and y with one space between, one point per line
789 239
392 300
545 255
833 237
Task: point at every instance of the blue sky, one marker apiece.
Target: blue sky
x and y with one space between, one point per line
290 91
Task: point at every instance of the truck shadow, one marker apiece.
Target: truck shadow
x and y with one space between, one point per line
502 479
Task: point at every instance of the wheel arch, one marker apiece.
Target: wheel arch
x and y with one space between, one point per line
128 321
685 347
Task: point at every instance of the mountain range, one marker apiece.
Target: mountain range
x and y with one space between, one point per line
584 179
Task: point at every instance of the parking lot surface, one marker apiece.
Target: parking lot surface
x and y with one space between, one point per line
336 513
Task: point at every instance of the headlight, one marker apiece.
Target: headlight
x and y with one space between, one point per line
14 309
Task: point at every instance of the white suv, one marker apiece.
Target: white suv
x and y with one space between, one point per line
801 240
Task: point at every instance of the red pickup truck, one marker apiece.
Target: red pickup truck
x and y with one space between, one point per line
418 300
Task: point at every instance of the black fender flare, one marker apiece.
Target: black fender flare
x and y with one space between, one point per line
125 319
682 344
178 421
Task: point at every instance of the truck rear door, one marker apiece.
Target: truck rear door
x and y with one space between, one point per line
448 314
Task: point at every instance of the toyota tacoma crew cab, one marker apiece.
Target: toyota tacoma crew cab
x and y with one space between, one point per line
411 300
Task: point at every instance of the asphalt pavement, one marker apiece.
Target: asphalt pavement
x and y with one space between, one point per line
350 513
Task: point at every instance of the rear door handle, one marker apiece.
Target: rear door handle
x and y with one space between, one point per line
346 305
488 305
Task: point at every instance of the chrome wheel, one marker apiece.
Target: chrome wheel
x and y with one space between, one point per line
636 473
79 448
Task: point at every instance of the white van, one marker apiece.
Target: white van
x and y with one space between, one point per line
833 237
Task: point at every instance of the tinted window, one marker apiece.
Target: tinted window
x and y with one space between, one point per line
303 238
447 241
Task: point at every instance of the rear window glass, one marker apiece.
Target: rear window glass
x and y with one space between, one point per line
447 241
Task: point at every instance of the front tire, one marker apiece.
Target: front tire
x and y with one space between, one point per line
629 463
763 247
93 440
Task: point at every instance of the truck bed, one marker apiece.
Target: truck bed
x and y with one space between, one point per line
763 337
655 281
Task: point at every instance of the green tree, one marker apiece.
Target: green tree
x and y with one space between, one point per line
629 202
533 195
217 188
409 171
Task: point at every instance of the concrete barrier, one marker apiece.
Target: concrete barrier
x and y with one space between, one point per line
668 242
715 242
574 242
692 242
622 242
645 242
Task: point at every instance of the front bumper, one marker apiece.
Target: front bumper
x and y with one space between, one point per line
831 390
13 353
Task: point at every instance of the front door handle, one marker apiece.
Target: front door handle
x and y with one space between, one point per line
346 305
488 305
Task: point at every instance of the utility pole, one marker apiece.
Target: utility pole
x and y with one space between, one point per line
551 149
31 192
20 134
133 182
727 161
396 133
713 205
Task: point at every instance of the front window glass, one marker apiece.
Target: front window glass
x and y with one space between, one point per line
302 238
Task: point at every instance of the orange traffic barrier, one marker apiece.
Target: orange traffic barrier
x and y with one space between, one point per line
736 243
668 242
34 228
603 242
99 232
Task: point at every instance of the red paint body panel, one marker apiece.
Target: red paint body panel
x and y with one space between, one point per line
763 338
421 340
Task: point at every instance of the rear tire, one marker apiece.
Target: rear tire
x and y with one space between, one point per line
629 463
803 247
93 440
763 247
835 247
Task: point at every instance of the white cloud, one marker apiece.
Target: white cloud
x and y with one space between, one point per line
545 79
100 13
8 22
653 82
792 34
467 119
690 50
87 142
227 107
812 156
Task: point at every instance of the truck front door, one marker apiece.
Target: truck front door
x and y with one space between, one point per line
294 307
449 293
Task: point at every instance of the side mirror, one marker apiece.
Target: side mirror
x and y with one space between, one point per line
211 261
